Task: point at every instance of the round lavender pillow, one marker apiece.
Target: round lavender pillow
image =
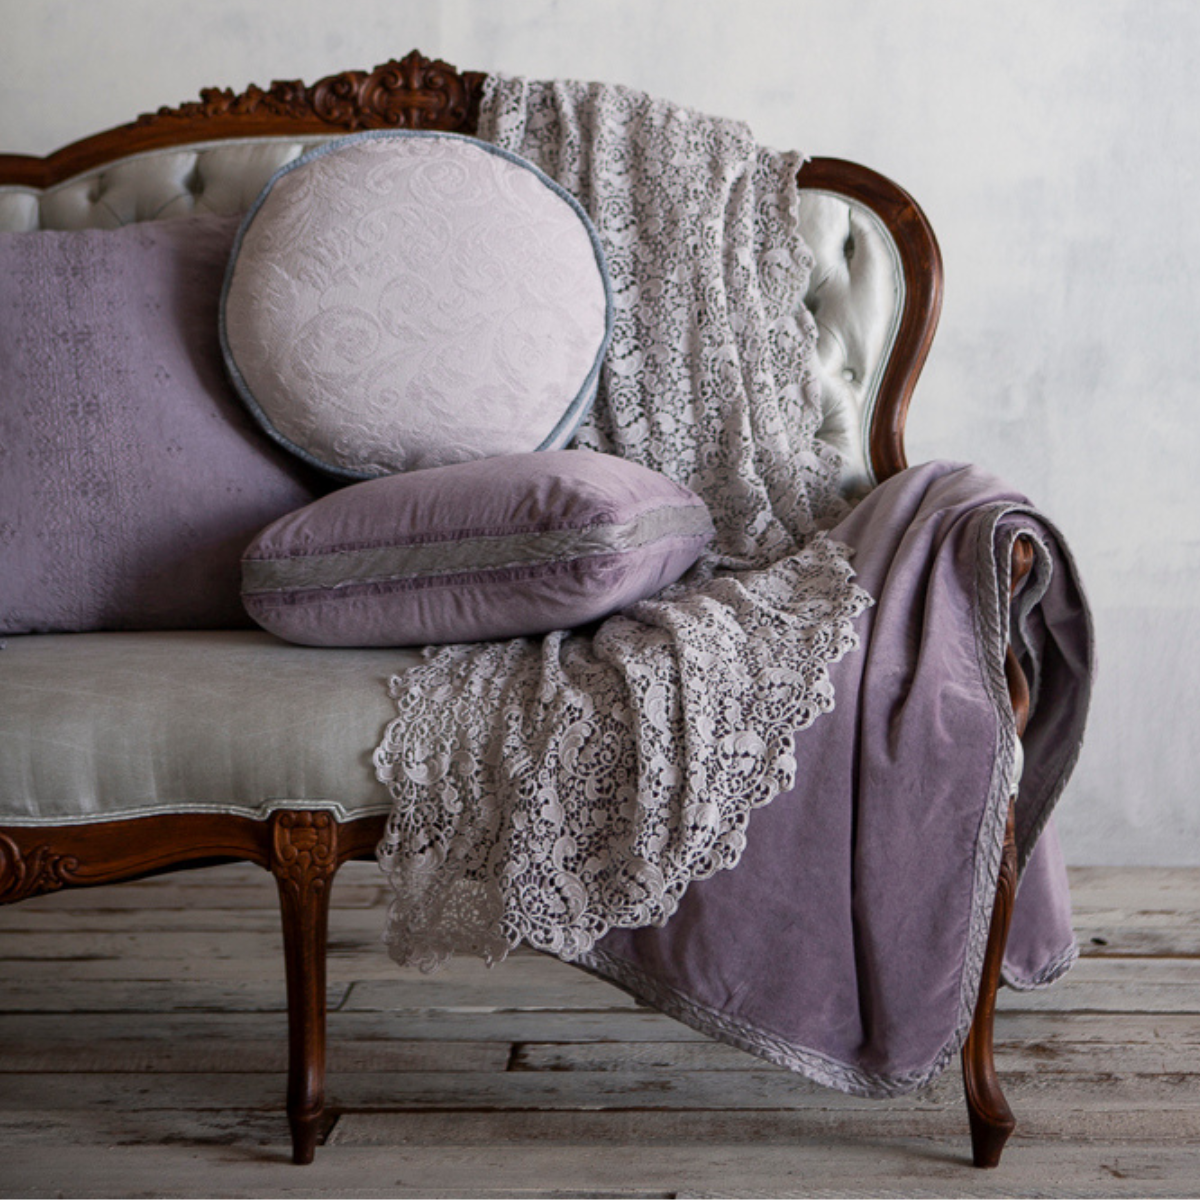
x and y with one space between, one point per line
402 299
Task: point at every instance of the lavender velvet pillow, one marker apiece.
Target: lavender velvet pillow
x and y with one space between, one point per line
408 299
509 546
131 479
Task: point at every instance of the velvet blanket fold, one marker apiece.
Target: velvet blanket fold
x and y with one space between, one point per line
848 943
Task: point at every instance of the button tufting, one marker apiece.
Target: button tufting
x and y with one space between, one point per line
849 374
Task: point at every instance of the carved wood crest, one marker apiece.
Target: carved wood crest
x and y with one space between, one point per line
410 93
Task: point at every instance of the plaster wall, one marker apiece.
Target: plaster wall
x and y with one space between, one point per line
1056 149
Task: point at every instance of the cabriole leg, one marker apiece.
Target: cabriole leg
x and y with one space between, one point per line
992 1121
304 861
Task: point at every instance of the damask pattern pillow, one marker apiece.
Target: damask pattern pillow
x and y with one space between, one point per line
507 546
131 478
401 299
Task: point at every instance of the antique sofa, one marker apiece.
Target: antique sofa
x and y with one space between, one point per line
96 788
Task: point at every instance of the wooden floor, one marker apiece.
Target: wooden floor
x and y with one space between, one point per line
142 1037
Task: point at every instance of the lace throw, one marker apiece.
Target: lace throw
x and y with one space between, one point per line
548 790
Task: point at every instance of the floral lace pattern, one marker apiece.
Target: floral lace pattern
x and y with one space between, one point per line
548 790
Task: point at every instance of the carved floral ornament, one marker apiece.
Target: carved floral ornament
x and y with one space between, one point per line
411 93
28 874
304 846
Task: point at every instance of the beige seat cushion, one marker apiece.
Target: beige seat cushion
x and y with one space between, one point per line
102 726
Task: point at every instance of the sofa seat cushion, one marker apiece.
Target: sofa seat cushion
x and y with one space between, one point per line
106 726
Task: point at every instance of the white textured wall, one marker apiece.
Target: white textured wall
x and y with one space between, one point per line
1055 145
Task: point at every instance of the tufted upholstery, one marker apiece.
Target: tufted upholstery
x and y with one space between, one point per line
856 294
214 177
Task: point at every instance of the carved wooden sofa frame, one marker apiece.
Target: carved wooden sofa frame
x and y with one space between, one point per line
304 848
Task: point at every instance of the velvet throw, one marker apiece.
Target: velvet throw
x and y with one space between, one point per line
849 942
586 792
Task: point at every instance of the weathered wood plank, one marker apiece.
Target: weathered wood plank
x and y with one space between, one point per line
1116 985
1117 1045
360 923
1034 1057
66 1030
1181 1030
1123 932
167 946
576 1090
1103 1070
149 897
1098 984
1136 911
521 982
357 931
516 1025
240 954
1140 911
641 1128
1045 1033
1173 889
47 1130
212 1052
524 981
246 1128
813 1166
167 955
151 996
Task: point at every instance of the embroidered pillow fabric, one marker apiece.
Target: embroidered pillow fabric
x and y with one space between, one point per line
131 479
400 300
508 546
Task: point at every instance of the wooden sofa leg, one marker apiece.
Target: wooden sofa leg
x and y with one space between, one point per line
991 1119
304 861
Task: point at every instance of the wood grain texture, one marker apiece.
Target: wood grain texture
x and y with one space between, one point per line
304 859
768 1089
992 1121
823 1164
525 1084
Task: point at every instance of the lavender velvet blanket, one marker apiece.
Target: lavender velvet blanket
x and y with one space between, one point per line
848 943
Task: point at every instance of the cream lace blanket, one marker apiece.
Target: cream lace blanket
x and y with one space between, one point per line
548 790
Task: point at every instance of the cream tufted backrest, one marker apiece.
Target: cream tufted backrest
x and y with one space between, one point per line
857 292
856 296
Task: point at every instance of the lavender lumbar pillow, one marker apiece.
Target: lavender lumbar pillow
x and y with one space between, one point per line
401 299
131 479
504 547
